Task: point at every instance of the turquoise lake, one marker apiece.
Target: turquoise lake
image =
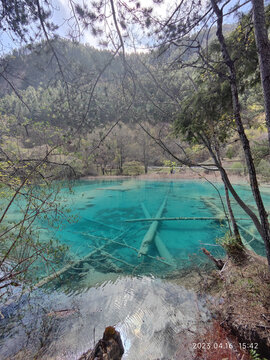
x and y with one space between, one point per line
104 231
108 283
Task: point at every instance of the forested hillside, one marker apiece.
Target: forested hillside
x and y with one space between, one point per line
95 95
64 88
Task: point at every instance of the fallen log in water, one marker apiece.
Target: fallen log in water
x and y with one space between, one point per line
102 224
116 259
137 251
109 263
125 245
220 214
151 233
215 209
218 262
69 266
180 218
162 249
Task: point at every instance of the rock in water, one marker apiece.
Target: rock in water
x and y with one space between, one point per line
110 347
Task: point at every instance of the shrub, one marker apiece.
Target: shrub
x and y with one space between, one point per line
260 150
232 246
264 169
230 153
237 168
133 168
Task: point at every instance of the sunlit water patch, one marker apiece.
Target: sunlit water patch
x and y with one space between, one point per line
153 317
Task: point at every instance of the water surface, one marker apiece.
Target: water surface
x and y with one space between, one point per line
115 286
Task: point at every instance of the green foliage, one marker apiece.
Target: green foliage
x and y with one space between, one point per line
242 47
230 153
255 355
133 168
16 16
170 164
237 168
260 150
206 116
231 245
264 169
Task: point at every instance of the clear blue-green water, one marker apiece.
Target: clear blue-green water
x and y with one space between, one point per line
157 318
104 242
102 211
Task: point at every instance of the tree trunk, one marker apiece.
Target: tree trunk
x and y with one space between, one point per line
265 230
263 49
228 201
121 162
218 262
234 224
228 183
110 347
145 158
145 168
225 179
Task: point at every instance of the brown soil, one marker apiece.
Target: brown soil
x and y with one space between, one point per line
219 343
239 297
244 301
184 174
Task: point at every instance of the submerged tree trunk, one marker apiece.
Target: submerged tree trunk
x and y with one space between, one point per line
263 49
265 230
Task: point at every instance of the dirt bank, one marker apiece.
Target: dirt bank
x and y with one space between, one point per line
182 174
239 299
243 291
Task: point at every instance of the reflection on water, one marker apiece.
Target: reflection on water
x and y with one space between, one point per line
154 317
